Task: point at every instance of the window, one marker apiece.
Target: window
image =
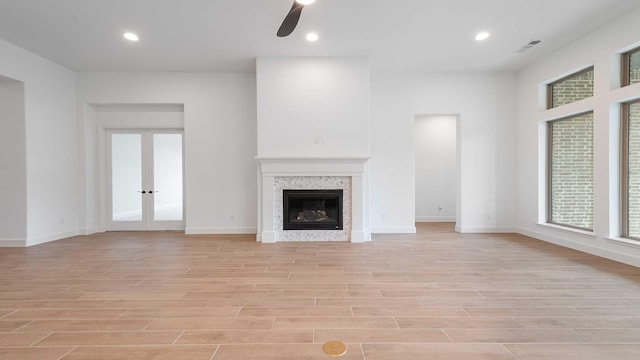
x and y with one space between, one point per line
631 67
570 89
631 170
570 171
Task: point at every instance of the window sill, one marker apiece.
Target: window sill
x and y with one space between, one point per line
567 229
624 241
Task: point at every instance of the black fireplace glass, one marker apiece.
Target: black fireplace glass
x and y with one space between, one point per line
312 209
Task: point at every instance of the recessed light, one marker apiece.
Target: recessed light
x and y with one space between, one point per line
131 36
482 36
312 37
305 2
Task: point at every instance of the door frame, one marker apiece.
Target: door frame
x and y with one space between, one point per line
104 191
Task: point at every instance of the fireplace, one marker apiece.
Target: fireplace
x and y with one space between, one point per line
346 174
312 209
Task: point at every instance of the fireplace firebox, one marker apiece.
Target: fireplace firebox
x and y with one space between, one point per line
312 209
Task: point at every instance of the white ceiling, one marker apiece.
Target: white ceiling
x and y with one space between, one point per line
227 35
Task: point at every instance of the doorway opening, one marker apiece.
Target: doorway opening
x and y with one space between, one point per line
436 165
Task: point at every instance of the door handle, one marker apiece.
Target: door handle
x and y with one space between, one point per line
142 192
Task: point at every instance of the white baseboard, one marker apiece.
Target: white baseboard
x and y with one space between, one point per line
584 247
49 238
360 237
268 237
221 231
430 219
13 243
89 231
485 229
394 230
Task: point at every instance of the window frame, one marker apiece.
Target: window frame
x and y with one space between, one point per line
552 84
626 66
624 169
549 169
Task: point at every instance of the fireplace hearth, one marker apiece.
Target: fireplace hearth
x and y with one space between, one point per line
312 209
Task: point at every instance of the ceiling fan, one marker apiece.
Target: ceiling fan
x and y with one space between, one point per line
291 20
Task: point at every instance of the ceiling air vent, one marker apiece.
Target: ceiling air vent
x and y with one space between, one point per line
531 44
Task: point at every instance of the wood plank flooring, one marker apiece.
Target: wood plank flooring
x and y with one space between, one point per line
431 295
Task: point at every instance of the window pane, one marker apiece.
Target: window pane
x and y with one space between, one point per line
167 177
572 89
126 177
634 68
634 171
571 177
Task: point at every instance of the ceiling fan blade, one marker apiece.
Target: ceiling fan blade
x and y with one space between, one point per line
291 20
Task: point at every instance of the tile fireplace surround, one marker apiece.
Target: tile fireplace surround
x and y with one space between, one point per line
279 173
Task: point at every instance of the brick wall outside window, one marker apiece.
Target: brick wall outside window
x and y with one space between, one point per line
634 170
634 76
571 177
572 89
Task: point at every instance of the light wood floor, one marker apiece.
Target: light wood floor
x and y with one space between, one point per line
433 295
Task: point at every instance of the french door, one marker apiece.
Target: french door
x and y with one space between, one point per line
145 180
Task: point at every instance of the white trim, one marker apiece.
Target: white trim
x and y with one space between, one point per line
288 159
485 229
430 219
13 243
360 237
568 229
394 230
221 231
624 241
313 166
589 249
53 237
88 231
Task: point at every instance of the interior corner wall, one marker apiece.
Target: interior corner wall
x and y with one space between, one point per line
50 146
601 49
219 140
13 162
485 105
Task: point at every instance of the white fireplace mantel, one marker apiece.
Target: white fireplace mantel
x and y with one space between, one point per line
353 167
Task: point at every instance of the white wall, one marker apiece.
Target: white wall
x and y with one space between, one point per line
435 140
220 141
49 98
484 103
600 49
313 107
13 162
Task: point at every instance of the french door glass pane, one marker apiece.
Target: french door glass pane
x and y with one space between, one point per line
634 171
167 175
126 177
